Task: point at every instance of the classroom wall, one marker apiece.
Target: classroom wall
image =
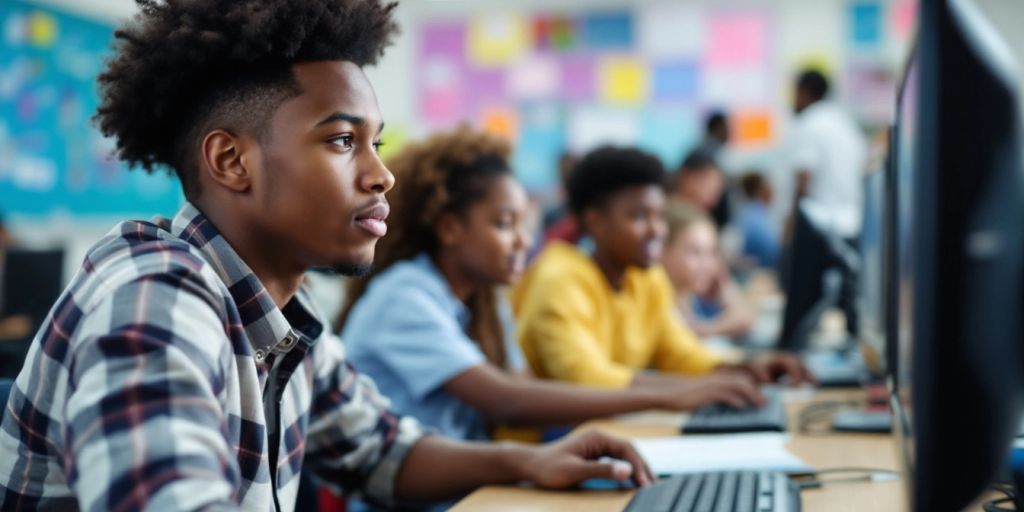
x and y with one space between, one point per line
799 28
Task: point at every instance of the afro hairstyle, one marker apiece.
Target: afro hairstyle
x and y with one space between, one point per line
183 67
608 170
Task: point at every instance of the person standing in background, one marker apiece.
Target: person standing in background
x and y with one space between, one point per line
828 152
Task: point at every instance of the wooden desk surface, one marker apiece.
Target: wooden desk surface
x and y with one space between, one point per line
820 451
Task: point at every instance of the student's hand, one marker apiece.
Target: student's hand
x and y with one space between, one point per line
770 367
735 388
575 458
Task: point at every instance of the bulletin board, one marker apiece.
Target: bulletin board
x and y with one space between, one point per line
53 158
646 75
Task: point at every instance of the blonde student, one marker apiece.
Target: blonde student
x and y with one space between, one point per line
707 300
430 324
605 316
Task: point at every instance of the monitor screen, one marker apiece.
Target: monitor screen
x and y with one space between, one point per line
905 166
871 282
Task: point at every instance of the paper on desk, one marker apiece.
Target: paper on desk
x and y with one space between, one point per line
720 452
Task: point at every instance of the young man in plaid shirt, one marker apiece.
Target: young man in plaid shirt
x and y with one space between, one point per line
185 368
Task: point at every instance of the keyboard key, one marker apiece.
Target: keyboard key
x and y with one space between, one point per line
708 493
668 491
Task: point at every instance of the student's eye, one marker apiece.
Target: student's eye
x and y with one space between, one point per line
344 141
377 144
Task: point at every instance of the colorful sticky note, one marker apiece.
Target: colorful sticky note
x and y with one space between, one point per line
482 88
500 121
904 14
534 77
865 23
608 30
669 133
578 78
441 106
447 38
753 128
42 29
671 29
554 33
623 80
737 39
675 80
496 39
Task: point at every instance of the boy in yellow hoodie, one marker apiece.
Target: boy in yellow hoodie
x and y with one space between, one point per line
604 316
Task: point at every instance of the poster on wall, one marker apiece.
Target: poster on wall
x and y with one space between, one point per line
52 157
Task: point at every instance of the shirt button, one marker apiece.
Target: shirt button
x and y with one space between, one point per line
260 355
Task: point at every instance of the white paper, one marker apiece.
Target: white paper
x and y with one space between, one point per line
671 29
724 452
590 127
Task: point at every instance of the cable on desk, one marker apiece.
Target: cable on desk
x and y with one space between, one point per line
996 504
815 480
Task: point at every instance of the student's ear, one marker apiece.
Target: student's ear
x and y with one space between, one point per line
594 222
225 160
449 229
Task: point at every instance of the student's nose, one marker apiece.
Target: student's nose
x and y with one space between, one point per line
375 176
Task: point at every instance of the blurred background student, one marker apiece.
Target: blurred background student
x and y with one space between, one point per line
706 298
760 246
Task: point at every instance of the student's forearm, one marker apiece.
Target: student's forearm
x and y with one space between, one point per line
509 400
538 402
438 469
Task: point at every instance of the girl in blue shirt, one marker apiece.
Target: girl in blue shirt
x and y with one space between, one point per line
429 323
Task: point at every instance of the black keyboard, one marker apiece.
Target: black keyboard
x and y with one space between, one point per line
725 419
719 492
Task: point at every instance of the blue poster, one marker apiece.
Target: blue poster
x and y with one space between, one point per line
541 142
52 156
607 30
865 24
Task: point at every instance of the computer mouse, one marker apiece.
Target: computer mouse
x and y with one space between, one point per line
608 483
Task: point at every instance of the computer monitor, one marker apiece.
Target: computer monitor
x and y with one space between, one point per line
871 285
957 388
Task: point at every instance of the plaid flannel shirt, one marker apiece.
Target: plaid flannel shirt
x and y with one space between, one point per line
160 375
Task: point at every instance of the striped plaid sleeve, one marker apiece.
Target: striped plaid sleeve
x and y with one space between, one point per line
355 444
144 425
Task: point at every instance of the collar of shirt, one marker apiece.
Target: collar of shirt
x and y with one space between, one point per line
268 328
452 303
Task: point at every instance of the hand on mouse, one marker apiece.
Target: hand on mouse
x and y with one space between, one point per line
575 458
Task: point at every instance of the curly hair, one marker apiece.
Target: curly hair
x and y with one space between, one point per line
447 173
183 67
606 171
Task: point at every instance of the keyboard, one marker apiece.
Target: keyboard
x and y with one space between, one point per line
734 491
725 419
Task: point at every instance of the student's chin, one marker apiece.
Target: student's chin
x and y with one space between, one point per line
347 269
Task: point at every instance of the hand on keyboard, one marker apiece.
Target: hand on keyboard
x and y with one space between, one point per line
736 389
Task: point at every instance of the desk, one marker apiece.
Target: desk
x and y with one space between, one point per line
820 451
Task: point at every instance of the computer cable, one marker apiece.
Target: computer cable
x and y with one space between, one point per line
996 505
821 478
